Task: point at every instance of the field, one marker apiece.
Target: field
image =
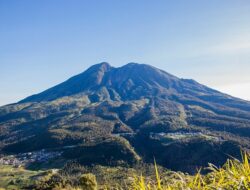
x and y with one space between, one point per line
16 178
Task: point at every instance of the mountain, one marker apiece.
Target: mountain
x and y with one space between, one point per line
127 115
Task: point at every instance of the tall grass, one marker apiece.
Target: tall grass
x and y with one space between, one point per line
233 175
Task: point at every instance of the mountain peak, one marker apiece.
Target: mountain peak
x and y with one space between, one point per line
103 66
134 65
130 81
131 64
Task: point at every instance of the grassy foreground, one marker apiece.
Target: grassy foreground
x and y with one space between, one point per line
234 174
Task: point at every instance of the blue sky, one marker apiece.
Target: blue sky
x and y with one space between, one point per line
44 42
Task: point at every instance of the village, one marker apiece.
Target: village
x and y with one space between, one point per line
24 159
175 136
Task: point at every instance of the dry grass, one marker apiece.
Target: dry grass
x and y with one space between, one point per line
233 175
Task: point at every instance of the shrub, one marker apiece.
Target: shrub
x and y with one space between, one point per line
88 182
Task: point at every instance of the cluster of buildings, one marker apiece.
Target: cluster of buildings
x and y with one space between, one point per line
183 135
24 159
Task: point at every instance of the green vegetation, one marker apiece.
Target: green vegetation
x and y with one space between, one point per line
17 178
234 174
88 182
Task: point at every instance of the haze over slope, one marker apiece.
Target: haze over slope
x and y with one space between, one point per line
137 111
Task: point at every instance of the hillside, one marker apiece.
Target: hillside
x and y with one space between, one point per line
126 115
